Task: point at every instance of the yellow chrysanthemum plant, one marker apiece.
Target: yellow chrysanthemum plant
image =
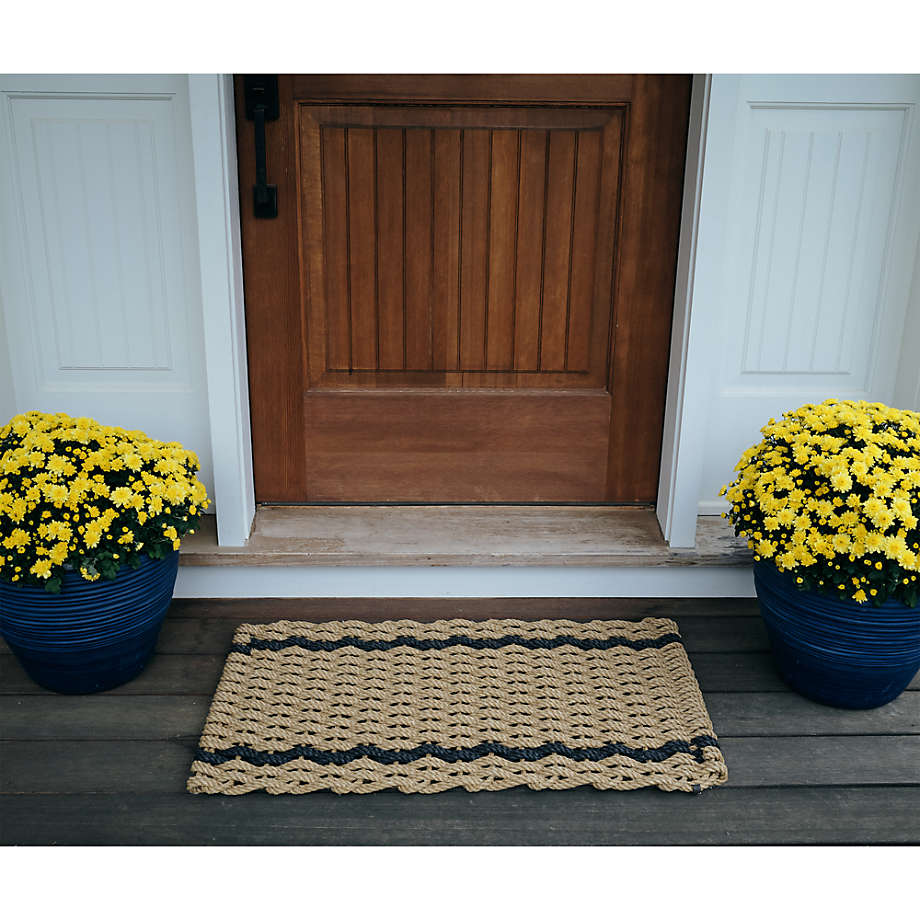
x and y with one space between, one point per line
831 496
78 495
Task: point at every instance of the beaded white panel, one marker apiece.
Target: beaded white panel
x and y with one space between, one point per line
103 238
816 215
100 286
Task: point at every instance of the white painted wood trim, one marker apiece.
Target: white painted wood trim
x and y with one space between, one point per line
8 405
712 506
214 154
682 445
465 581
907 387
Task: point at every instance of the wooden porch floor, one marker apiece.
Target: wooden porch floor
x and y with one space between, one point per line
111 768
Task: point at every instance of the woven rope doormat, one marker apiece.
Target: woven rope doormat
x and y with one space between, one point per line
424 707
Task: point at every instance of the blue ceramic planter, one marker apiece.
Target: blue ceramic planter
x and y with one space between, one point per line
837 652
94 635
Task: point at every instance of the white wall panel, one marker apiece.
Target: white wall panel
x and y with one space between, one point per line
907 387
820 226
821 194
101 288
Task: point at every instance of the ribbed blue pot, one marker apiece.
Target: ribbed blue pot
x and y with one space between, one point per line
838 652
94 635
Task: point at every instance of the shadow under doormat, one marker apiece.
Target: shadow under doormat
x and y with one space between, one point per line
424 707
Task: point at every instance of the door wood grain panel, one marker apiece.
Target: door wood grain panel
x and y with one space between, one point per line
557 249
468 447
532 190
644 294
334 240
419 151
503 208
446 270
391 197
475 174
456 237
478 258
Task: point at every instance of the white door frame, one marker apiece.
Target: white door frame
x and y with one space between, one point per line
218 209
216 188
689 378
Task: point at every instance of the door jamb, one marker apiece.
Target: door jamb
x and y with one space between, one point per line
221 268
683 437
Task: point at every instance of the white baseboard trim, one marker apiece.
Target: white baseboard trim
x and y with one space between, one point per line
464 581
712 506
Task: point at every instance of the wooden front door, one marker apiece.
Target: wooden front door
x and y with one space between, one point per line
466 294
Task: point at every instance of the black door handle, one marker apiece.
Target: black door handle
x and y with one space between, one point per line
261 98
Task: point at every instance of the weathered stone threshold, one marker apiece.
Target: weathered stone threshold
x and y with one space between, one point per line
453 535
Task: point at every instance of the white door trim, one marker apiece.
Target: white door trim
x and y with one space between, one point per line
688 378
218 208
464 581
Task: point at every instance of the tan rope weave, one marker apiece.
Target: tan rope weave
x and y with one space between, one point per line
457 697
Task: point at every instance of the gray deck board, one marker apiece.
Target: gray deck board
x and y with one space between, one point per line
743 672
111 768
67 767
796 815
190 635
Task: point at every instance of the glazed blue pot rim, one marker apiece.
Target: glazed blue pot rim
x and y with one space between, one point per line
73 582
767 572
838 624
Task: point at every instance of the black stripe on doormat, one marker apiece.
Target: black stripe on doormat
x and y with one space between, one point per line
384 645
454 755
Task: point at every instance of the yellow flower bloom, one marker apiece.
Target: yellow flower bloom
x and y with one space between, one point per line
42 568
17 538
122 496
841 543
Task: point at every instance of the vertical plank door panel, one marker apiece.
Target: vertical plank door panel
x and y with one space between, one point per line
502 250
335 245
557 249
529 262
362 246
419 243
474 246
390 248
584 240
446 268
